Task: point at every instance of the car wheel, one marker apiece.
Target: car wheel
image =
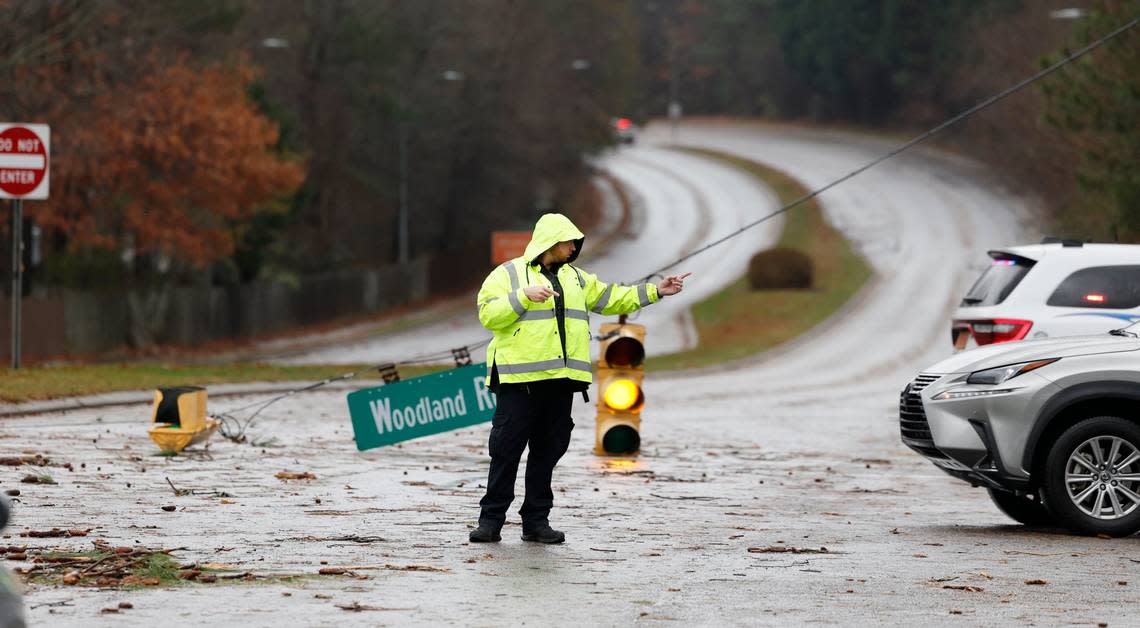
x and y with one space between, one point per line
1021 509
1092 477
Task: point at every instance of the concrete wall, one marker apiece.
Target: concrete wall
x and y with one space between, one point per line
69 323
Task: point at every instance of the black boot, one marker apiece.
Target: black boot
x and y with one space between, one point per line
543 534
485 534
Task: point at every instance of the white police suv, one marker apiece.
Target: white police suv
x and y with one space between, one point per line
1057 288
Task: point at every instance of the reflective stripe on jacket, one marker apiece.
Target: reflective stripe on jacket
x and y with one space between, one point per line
526 346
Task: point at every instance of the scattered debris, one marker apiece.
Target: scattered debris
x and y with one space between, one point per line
178 492
109 567
12 492
780 549
36 460
350 538
170 508
964 587
38 478
357 607
689 497
294 475
1036 581
54 533
417 568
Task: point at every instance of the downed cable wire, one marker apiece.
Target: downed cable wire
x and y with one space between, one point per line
235 428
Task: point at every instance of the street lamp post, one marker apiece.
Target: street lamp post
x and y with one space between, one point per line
403 246
402 219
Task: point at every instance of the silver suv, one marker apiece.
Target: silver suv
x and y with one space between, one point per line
1051 428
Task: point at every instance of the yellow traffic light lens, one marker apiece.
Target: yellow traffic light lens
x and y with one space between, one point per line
621 394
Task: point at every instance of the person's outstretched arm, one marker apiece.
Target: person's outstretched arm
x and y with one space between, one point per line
614 298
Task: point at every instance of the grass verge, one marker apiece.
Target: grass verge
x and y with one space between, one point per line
33 384
738 322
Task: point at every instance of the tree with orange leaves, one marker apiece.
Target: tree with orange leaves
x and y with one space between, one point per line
168 165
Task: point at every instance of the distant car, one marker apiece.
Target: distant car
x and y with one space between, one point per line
624 130
1048 290
1051 428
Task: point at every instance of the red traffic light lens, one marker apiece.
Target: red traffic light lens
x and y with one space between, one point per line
625 352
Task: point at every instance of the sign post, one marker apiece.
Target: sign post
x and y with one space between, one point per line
24 159
674 119
403 410
17 277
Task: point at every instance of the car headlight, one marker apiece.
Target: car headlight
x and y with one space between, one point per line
1002 374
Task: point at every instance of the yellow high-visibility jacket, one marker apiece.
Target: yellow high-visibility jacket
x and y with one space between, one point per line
526 346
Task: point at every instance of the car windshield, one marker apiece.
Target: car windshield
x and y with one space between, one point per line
997 281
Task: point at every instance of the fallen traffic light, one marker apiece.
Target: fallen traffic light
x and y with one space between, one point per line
179 418
620 373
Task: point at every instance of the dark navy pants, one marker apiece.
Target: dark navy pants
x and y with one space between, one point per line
535 415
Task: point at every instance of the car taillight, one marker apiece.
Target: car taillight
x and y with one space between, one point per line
987 332
623 123
959 334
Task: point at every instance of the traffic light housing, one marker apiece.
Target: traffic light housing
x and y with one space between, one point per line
179 418
620 373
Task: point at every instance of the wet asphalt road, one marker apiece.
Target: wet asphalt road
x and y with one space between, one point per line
768 492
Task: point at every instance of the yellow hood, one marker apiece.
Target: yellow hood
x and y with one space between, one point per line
550 230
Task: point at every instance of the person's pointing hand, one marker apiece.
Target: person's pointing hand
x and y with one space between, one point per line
672 284
538 294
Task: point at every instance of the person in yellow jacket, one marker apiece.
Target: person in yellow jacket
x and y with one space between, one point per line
538 306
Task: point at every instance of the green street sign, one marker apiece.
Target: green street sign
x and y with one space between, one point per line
439 402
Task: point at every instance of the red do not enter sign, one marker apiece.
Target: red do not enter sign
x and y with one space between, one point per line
24 155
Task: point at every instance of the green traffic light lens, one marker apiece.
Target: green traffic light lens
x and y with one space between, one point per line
621 439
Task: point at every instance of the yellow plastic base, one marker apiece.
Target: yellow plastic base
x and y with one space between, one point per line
172 440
